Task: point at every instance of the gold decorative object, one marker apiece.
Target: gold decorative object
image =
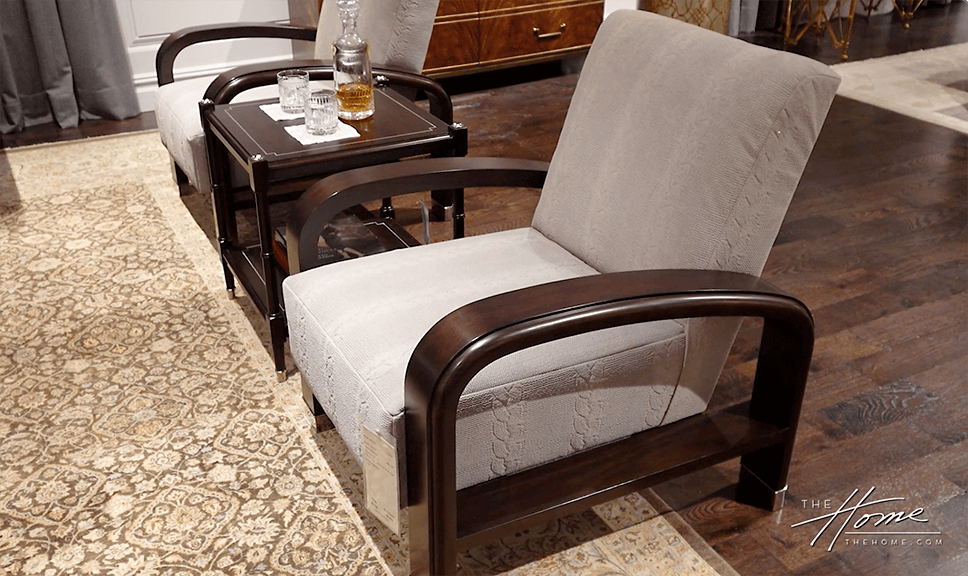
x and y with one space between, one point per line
905 13
710 14
802 16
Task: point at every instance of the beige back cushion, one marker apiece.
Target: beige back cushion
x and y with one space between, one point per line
397 31
694 171
706 185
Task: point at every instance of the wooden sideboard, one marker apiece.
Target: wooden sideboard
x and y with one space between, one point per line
478 35
475 35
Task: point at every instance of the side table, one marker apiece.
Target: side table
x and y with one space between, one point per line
246 144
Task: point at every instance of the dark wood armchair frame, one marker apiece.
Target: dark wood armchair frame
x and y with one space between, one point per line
181 39
231 83
442 519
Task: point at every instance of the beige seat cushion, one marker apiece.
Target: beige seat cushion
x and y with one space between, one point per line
398 32
523 410
180 128
681 149
180 124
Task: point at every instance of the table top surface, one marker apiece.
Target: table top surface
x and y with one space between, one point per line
397 122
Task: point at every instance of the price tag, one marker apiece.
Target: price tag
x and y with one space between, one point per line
381 481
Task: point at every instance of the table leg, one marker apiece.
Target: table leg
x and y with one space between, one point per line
907 12
274 314
449 204
386 209
278 333
221 195
459 213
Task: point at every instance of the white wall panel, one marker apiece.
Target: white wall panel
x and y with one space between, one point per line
146 23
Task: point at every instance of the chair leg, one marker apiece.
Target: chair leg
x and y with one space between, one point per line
320 420
431 490
778 387
181 179
762 481
433 550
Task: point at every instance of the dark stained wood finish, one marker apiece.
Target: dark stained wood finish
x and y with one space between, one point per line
46 133
253 132
536 29
474 35
875 243
882 406
456 38
327 198
278 169
470 338
705 438
186 37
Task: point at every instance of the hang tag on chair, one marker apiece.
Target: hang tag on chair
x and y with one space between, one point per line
381 482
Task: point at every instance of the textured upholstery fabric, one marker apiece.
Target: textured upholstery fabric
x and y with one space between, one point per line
398 32
536 406
180 125
676 152
695 172
181 129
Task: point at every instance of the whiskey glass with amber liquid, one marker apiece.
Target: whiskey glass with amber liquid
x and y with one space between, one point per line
351 66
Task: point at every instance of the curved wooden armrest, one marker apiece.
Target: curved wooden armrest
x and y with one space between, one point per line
231 83
181 39
470 338
473 336
330 196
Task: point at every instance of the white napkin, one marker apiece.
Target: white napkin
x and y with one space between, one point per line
300 133
275 112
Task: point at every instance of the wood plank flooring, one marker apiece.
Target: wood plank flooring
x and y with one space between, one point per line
876 243
882 35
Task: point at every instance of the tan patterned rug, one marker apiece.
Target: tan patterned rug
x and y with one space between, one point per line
142 430
930 85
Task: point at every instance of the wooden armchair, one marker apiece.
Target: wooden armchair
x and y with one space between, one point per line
398 33
537 371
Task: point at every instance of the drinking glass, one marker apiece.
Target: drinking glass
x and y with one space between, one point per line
322 116
293 89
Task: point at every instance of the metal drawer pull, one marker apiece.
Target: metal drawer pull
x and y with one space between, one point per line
549 35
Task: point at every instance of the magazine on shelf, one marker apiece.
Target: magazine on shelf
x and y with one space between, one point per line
347 236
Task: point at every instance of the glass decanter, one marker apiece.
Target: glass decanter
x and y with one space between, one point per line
351 66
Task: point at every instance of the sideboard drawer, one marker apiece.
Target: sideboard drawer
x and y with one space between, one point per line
536 29
478 35
455 42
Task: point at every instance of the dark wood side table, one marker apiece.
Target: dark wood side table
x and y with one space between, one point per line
246 144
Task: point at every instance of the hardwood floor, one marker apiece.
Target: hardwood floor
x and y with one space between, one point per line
46 133
882 35
876 243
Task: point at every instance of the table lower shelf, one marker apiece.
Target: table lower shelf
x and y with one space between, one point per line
355 233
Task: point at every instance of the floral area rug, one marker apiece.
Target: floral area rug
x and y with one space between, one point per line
930 85
141 428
